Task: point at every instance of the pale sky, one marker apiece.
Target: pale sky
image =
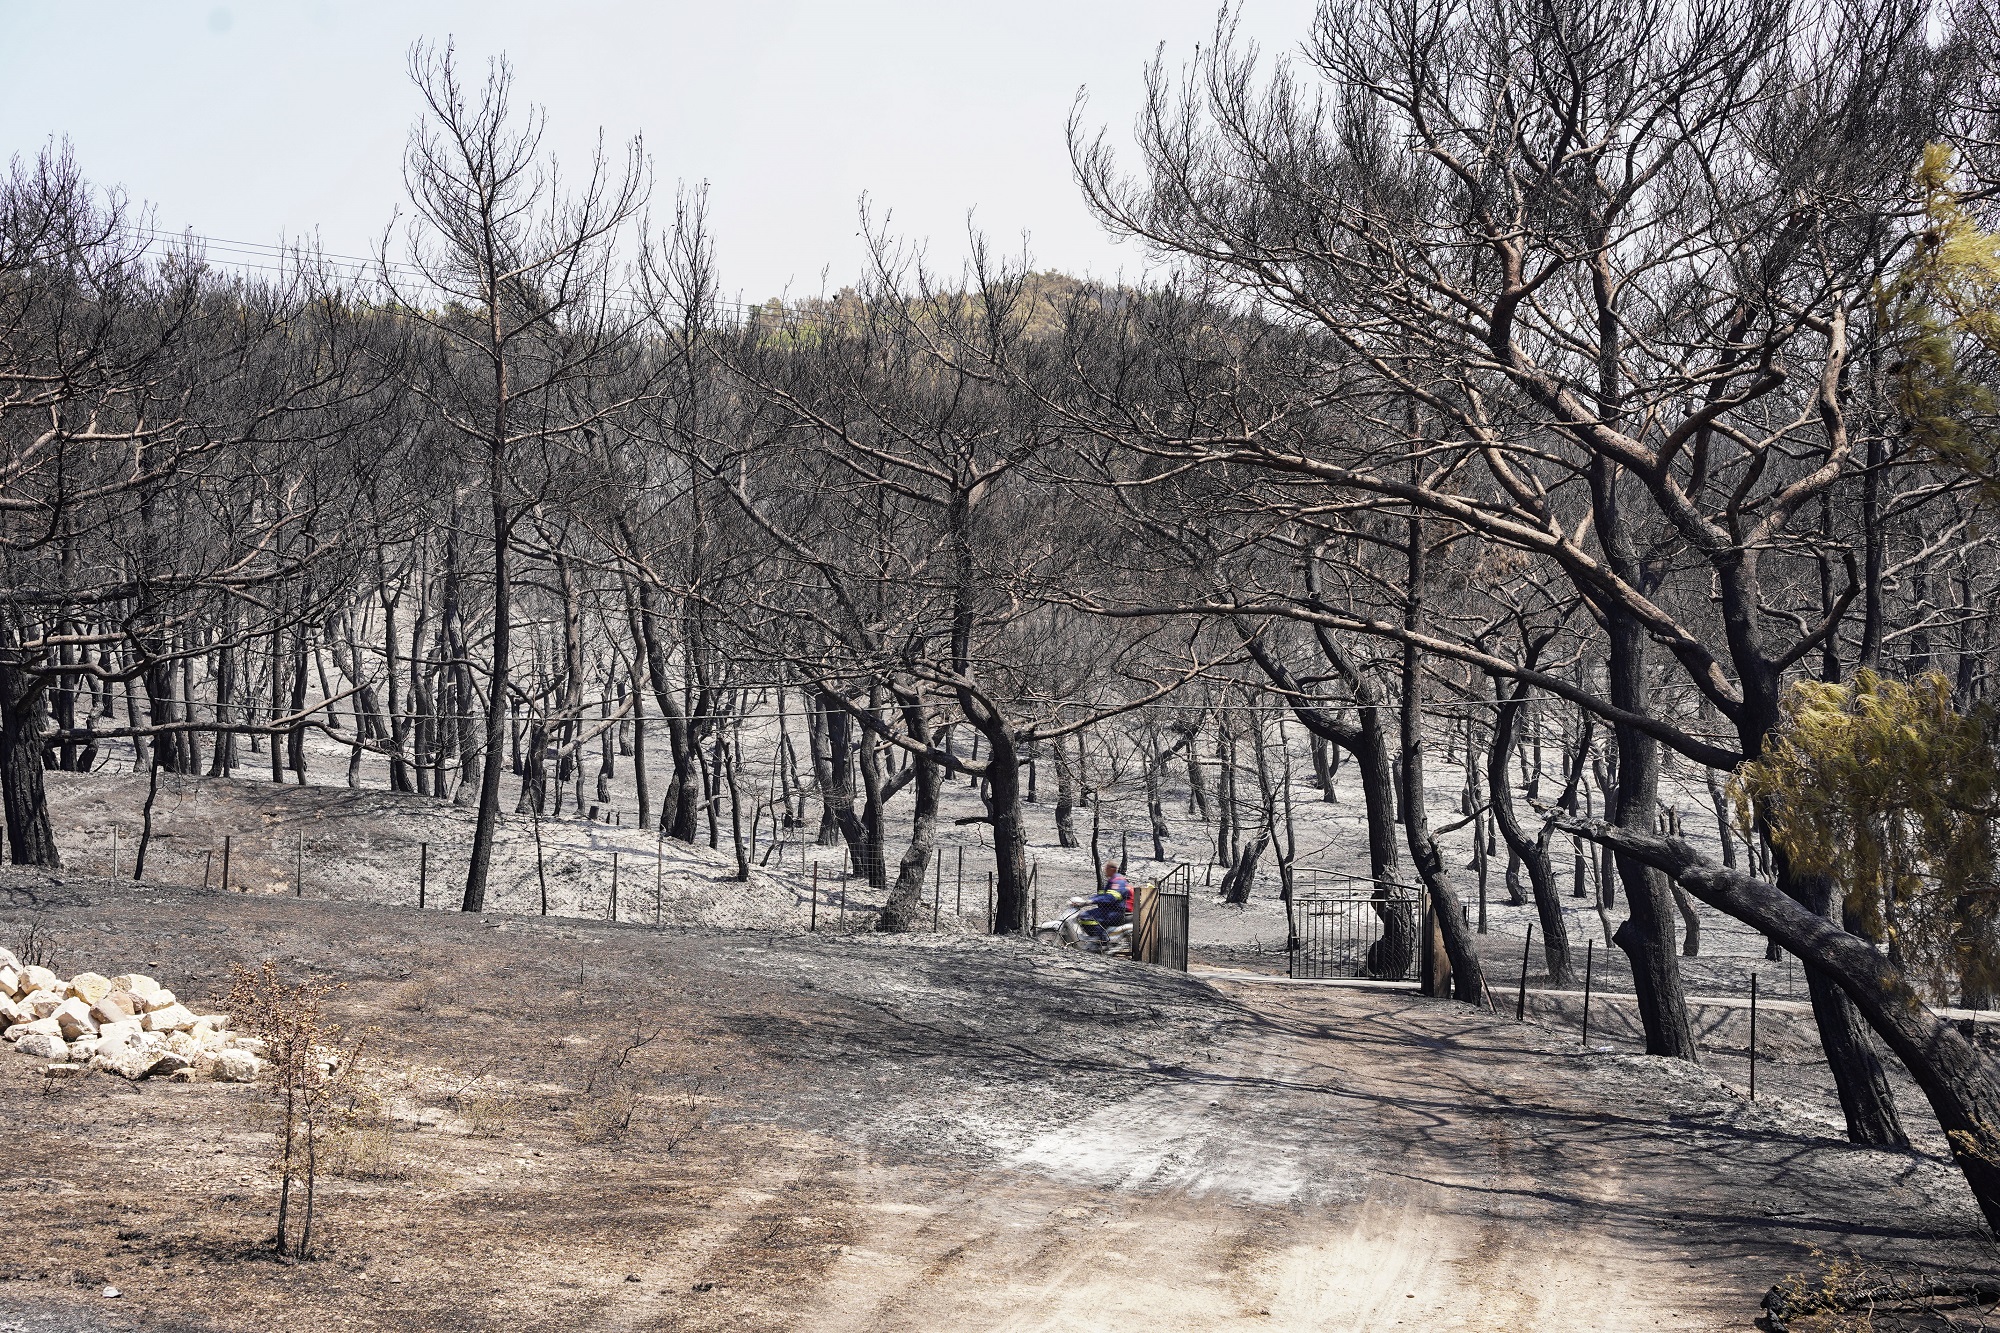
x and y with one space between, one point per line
267 118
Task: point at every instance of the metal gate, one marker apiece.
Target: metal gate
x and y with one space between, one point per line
1359 933
1160 919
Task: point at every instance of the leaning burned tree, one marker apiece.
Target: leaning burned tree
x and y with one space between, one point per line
1956 1077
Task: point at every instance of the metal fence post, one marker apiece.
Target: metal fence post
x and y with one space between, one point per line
1521 1000
1753 1036
225 863
1589 960
423 872
1479 860
813 923
541 874
614 886
1426 946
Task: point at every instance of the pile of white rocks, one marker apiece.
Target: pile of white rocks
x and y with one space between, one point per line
128 1025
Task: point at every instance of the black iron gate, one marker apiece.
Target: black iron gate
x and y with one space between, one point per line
1160 919
1369 934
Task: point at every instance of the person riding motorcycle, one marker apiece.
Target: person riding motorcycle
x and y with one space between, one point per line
1109 906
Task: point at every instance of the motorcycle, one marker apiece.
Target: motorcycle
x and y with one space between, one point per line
1068 930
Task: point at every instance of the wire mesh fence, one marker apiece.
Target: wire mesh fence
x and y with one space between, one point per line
1726 962
579 865
584 865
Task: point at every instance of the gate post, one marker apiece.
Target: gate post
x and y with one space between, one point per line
1436 963
1146 923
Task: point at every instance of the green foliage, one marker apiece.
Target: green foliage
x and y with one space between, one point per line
1033 306
1942 314
1886 788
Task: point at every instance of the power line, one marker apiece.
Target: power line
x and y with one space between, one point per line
265 257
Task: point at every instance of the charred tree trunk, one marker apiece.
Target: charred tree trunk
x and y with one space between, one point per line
398 722
837 788
1530 853
223 758
1866 1099
875 792
295 738
1241 876
534 796
1467 981
1228 834
1646 935
1155 762
1065 796
680 805
607 742
1197 783
1961 1084
1010 832
1326 767
903 908
31 838
62 703
727 755
641 795
487 820
829 826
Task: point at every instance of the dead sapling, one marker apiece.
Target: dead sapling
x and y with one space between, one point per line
682 1113
35 946
312 1075
616 1087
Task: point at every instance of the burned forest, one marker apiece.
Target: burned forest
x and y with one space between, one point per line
1428 753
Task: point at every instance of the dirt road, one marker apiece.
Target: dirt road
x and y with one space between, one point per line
932 1134
1363 1161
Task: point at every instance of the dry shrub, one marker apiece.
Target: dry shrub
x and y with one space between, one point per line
61 1082
640 1089
1813 1299
364 1152
35 946
360 1143
491 1113
605 1119
1851 1295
